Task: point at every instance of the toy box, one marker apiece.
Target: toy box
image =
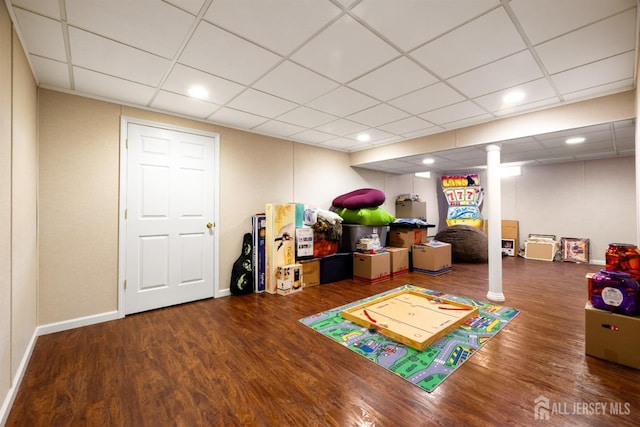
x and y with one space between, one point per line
371 268
288 279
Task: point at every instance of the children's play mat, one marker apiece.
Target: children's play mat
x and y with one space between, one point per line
426 368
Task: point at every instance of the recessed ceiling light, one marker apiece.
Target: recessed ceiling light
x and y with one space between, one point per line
513 97
364 137
197 92
429 161
576 140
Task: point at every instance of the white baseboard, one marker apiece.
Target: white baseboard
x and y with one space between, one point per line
17 380
65 325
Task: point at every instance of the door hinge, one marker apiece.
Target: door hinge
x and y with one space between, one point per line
125 285
126 143
126 212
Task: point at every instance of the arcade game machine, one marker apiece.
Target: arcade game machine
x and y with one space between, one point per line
464 196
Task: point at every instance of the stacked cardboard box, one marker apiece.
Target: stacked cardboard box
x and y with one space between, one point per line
371 268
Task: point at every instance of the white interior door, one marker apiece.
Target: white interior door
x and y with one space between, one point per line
169 243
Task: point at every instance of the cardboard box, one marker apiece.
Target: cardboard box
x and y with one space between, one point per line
612 337
289 279
371 268
336 267
399 260
432 258
411 209
509 230
406 237
351 233
543 251
310 272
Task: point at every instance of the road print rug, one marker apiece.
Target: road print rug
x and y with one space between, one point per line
428 368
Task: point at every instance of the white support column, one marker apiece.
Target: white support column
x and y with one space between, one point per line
494 206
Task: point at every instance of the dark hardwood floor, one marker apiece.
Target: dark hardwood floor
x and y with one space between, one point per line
248 361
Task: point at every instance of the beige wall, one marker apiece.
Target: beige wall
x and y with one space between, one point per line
79 178
78 206
5 205
18 217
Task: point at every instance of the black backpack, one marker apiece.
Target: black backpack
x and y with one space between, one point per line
241 273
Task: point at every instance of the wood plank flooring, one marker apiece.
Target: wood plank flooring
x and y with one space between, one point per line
247 361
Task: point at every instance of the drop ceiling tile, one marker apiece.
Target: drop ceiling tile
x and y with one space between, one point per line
536 90
306 117
531 106
342 127
483 40
457 124
427 99
384 83
235 118
376 135
619 67
312 136
377 115
295 83
137 27
274 127
409 23
344 51
51 73
261 104
342 102
191 6
595 42
407 125
43 36
553 18
569 150
184 105
522 145
109 57
452 113
424 132
112 88
50 8
625 137
227 56
344 144
508 72
281 25
597 91
219 90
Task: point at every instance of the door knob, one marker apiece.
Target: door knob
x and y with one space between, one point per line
209 225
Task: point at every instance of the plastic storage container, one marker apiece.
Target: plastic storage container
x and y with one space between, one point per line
623 257
615 291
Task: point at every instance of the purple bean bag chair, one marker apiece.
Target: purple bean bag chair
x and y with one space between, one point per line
362 198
